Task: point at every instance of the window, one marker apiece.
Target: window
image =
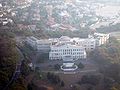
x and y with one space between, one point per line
92 42
56 53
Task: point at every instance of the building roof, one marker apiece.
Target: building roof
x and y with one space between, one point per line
33 38
66 46
100 34
64 38
83 40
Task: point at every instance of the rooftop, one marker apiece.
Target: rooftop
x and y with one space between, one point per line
33 38
100 34
64 38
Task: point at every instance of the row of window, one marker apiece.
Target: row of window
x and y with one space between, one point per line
89 45
87 42
70 53
65 50
89 48
78 57
43 44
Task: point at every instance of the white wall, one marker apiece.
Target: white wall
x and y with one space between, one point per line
58 52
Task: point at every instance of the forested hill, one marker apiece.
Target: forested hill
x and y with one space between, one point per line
8 58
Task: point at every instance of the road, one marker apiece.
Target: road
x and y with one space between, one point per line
60 62
17 70
75 72
90 67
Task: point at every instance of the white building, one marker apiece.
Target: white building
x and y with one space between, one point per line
60 51
66 46
100 38
40 45
31 41
43 45
88 43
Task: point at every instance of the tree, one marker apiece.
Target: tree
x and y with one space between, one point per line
25 69
76 87
19 84
90 79
115 87
107 54
62 84
8 59
108 58
113 72
80 65
55 79
57 67
90 88
48 75
108 82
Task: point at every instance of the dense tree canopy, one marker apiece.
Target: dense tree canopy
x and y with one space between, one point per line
108 59
107 54
8 58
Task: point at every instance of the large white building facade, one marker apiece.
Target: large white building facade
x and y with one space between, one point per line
59 51
66 46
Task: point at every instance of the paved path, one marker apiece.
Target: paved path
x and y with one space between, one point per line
70 72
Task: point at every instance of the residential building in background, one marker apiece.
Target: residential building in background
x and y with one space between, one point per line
101 38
